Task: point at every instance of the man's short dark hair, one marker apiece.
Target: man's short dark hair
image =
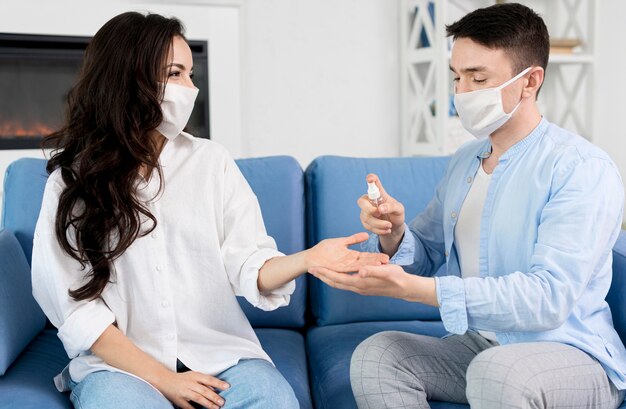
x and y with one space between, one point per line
512 27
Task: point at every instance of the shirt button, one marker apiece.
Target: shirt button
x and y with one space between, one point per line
154 235
446 253
165 303
469 180
158 268
453 215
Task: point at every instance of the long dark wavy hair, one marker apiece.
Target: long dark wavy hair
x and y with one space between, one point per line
111 112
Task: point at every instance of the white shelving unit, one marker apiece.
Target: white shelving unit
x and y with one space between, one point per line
566 97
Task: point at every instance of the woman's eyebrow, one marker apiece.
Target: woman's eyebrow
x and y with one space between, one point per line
181 66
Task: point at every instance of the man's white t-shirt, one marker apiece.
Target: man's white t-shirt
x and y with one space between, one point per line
467 230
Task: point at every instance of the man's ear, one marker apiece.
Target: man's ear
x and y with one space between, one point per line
535 80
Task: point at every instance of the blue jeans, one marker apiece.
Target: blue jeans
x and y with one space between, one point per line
254 384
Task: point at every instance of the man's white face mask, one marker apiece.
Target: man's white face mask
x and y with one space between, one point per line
176 107
481 112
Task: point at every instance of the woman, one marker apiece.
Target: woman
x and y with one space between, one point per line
146 235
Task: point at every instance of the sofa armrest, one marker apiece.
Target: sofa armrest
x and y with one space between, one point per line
21 319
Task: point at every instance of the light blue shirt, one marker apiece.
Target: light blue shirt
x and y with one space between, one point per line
552 214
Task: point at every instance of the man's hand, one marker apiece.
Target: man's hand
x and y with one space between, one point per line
185 387
387 280
386 220
335 255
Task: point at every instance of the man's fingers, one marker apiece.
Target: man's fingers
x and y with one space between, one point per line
372 177
365 205
337 278
375 271
393 208
325 279
377 224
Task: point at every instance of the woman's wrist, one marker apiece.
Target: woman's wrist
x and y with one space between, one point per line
158 377
306 259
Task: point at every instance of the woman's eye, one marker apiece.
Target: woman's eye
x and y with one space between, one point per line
191 76
456 79
174 74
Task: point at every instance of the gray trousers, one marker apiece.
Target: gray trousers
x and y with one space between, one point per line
401 370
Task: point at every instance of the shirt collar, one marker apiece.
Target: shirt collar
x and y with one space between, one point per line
532 137
484 150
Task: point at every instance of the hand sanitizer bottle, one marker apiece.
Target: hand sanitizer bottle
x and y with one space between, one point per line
374 194
376 199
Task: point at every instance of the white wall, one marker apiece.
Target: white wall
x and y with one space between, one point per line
610 89
322 77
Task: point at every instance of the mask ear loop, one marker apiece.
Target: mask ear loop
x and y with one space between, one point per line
512 80
509 82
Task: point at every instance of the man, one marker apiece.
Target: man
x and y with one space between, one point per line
524 220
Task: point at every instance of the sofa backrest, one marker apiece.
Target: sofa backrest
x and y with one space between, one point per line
333 186
277 181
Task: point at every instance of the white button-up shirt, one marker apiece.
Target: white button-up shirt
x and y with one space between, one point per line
172 291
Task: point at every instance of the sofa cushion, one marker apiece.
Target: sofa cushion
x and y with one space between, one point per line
330 348
333 186
278 183
28 383
21 319
286 348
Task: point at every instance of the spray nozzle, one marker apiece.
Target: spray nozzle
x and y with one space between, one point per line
372 191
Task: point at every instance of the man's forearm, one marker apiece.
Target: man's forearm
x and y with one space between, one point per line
421 289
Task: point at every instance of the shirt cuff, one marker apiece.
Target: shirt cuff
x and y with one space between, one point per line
451 298
406 249
271 300
84 326
405 256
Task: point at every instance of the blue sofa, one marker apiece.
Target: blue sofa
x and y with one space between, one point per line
311 340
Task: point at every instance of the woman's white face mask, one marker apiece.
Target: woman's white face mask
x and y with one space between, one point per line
177 105
482 112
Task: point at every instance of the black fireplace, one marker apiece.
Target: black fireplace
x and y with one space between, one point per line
37 71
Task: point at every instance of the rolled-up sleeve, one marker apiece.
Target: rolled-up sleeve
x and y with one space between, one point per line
84 325
246 245
54 273
406 249
451 298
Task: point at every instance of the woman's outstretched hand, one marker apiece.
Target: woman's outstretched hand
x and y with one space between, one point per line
335 255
